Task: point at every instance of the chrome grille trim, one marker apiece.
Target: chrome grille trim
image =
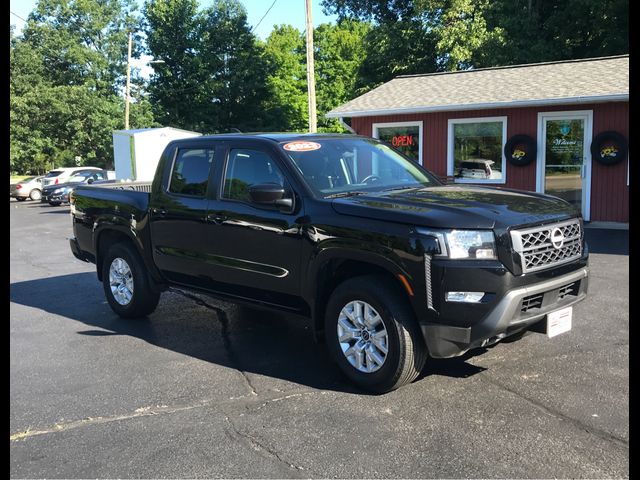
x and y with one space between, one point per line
536 250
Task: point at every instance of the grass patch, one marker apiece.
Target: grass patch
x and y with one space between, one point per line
18 178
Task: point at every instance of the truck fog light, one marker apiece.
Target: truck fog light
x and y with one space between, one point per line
466 297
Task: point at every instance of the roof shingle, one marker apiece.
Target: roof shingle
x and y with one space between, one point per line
571 81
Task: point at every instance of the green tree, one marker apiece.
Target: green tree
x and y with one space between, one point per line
66 73
82 42
339 53
286 79
235 91
460 34
537 31
173 29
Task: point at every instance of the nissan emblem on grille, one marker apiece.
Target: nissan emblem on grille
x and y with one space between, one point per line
548 245
557 238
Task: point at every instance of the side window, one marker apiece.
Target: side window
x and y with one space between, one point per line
246 168
190 173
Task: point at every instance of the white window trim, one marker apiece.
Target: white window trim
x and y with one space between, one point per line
417 123
587 162
450 149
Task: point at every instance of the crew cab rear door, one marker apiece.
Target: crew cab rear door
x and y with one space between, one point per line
178 212
257 247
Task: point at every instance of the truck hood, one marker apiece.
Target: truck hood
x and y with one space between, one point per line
456 207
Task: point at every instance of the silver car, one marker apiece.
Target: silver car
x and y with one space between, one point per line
30 187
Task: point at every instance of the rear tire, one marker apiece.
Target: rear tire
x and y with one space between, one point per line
21 199
389 310
126 283
35 195
54 204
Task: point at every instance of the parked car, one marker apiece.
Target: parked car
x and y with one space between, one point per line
61 175
477 168
58 194
30 187
391 265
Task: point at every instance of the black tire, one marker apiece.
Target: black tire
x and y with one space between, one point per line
35 195
54 204
613 140
144 300
21 199
527 150
407 352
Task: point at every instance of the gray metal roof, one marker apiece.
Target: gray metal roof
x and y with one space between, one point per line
572 81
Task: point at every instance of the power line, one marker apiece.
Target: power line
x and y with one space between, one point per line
17 16
265 14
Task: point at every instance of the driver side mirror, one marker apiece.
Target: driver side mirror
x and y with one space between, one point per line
270 194
90 181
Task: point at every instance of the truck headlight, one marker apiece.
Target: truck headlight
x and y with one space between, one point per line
477 244
463 244
58 190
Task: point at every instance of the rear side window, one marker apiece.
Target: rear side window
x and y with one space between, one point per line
246 168
190 173
54 173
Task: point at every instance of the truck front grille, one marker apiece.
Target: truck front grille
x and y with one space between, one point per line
549 245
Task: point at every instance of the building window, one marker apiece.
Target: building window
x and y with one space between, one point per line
475 150
405 137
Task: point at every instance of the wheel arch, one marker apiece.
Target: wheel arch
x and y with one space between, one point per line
343 266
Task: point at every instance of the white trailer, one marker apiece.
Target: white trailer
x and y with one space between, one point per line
137 152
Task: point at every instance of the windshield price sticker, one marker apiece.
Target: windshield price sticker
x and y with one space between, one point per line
301 146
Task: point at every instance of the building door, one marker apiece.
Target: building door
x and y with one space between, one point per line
564 159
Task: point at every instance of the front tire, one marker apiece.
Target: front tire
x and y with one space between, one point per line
372 334
35 195
126 283
54 204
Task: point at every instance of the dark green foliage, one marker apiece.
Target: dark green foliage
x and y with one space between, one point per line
66 73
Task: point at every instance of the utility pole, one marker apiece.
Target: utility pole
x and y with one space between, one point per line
128 87
311 79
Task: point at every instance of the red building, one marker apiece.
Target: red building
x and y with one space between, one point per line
560 128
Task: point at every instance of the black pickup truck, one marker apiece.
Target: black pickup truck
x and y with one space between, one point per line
391 265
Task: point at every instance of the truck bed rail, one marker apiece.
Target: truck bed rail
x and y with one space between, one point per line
136 186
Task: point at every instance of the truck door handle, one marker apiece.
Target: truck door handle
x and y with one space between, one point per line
159 211
216 218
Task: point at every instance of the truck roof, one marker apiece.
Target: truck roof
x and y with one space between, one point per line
275 136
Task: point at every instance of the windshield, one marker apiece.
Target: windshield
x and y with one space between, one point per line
339 166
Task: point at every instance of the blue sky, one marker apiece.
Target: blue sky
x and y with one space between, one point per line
284 11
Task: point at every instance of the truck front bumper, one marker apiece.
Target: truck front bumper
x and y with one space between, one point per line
78 253
513 313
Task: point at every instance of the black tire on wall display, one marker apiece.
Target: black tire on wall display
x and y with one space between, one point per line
609 148
520 150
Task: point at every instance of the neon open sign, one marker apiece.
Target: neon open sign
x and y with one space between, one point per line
402 141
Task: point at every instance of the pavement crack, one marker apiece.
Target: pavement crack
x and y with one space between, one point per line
286 397
139 412
259 446
226 340
602 434
241 402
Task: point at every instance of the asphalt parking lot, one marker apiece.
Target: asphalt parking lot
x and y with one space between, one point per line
203 388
